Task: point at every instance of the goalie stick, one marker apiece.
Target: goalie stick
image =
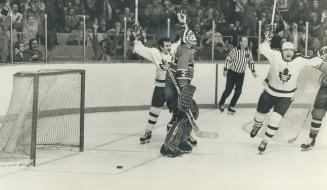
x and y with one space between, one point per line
197 131
291 140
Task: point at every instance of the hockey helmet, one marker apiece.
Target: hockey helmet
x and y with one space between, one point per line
288 45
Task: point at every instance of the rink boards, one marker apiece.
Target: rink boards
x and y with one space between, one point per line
128 86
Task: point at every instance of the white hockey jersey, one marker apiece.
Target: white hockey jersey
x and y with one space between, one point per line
282 76
156 56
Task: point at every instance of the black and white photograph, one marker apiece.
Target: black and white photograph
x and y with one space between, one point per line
163 94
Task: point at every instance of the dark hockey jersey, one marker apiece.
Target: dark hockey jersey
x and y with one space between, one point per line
183 65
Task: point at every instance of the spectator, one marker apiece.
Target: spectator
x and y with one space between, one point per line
4 9
76 36
299 13
34 10
220 52
30 29
33 53
19 52
240 8
324 36
324 14
218 37
250 19
279 24
314 27
169 9
104 10
315 8
228 9
71 20
40 5
4 41
16 18
102 28
79 7
316 45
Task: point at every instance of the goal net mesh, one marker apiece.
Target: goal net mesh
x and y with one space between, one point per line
57 116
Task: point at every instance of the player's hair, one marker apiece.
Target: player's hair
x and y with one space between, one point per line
162 40
243 37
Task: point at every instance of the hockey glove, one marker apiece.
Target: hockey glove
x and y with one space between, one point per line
269 32
164 65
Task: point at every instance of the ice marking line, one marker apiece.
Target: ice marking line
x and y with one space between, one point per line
140 164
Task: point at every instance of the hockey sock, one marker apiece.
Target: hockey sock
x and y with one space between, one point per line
258 119
315 125
153 117
274 121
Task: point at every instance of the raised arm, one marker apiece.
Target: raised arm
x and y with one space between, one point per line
151 54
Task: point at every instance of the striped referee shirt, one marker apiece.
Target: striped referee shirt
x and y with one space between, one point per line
237 60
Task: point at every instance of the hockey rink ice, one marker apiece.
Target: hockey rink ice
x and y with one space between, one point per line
230 162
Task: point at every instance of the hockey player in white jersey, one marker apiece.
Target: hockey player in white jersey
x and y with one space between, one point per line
281 85
160 57
318 111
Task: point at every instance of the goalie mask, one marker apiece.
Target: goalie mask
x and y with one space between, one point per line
189 38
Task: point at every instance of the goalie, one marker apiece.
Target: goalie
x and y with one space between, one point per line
178 78
281 85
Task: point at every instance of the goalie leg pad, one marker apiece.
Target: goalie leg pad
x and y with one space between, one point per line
194 109
174 135
185 97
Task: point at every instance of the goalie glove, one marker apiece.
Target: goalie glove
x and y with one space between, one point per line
269 32
182 16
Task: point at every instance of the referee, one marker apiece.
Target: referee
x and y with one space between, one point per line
234 69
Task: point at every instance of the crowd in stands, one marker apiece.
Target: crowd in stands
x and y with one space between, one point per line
104 24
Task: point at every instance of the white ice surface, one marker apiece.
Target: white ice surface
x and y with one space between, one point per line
229 163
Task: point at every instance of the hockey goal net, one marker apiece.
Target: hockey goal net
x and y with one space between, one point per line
46 109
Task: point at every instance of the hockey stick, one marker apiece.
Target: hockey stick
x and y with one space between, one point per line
291 140
273 13
189 114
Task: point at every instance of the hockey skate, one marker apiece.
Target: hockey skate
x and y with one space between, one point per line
231 110
310 143
254 131
192 141
146 137
221 108
170 152
185 147
262 146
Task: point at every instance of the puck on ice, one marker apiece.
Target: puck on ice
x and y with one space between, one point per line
119 167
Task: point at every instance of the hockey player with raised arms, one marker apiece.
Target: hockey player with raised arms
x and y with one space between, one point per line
281 85
176 141
160 57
